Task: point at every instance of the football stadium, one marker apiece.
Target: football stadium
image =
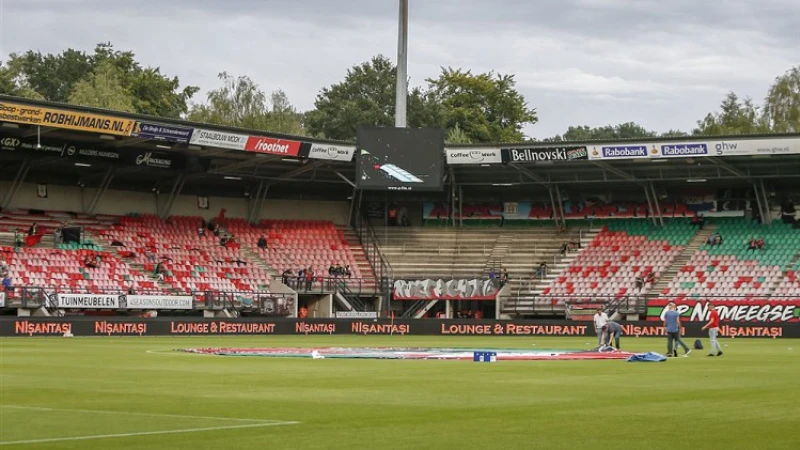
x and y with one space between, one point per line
173 284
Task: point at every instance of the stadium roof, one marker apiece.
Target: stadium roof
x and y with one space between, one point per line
207 170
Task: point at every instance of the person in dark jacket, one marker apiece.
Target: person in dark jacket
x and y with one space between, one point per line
613 330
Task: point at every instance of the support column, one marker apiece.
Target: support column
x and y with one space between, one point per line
101 191
352 217
19 179
656 204
561 206
553 203
253 203
402 66
766 216
460 207
176 191
650 205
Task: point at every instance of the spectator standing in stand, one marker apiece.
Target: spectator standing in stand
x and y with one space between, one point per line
262 242
309 278
33 229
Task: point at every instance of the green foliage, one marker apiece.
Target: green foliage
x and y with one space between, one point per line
102 88
56 77
628 130
239 102
735 117
782 105
457 136
485 107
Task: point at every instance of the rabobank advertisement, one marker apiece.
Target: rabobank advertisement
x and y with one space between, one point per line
695 149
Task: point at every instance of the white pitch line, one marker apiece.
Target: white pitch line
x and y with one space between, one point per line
144 433
128 413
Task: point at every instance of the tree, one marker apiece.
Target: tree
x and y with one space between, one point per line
735 117
241 103
366 96
487 106
54 77
102 89
628 130
674 133
457 136
782 105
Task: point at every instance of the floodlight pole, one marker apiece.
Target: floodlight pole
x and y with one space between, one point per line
402 67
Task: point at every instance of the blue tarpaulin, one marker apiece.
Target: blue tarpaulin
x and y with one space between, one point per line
647 357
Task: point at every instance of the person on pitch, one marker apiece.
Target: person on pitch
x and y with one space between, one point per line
613 330
713 330
672 324
600 321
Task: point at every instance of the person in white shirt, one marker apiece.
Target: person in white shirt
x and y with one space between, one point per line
600 321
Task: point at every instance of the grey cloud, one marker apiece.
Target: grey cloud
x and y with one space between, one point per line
664 63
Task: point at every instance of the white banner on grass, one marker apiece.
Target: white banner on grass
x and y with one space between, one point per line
159 301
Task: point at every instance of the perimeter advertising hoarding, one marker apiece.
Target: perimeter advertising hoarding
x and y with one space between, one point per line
219 139
463 156
696 148
742 311
331 152
400 159
272 146
161 326
92 153
66 119
544 154
161 132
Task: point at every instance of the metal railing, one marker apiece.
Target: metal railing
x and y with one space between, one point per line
330 285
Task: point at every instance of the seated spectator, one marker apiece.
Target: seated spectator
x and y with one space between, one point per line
650 278
717 239
346 271
7 286
216 230
150 255
159 271
760 243
131 291
262 242
698 221
3 269
224 240
564 249
331 270
639 283
478 315
752 245
201 231
89 263
541 272
710 240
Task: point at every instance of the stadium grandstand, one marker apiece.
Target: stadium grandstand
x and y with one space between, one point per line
142 215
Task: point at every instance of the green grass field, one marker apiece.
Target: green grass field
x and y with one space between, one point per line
60 393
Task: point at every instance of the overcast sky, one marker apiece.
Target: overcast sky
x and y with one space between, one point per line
662 63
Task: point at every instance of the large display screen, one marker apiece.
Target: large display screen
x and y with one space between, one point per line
400 159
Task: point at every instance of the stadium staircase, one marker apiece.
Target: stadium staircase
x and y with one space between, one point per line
683 258
500 249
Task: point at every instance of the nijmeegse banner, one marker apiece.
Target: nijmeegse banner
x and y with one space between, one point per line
159 301
87 301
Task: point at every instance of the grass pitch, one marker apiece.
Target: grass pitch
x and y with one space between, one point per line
135 393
